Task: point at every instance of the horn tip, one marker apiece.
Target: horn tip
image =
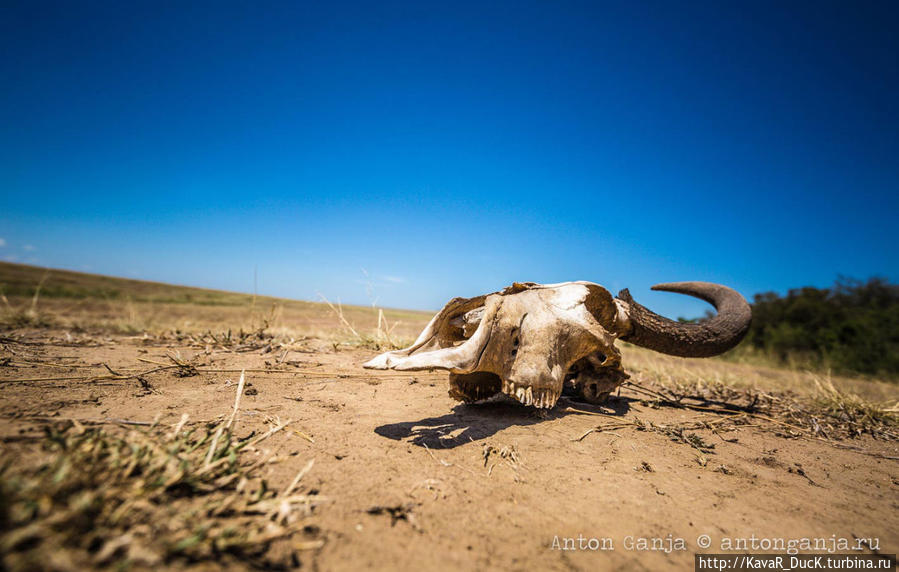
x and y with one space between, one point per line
673 286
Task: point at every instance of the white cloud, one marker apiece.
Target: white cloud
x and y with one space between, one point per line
394 279
28 248
2 242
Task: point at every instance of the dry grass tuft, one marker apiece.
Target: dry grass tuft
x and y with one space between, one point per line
27 315
851 414
803 402
382 339
828 413
147 496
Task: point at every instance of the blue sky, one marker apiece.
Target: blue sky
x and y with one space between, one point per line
450 149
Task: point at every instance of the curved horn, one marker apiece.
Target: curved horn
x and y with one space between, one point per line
704 339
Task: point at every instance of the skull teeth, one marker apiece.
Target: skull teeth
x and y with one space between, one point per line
547 399
543 398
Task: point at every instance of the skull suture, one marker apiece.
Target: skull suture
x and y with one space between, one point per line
530 341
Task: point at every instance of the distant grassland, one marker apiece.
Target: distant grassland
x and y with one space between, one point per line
89 301
19 280
79 302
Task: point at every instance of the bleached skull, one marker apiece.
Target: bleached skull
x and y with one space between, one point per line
530 341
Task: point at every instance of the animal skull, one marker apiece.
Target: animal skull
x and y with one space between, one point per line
532 341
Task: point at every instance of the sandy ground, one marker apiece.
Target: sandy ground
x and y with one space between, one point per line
495 486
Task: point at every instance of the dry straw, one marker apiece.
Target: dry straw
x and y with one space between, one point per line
148 496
